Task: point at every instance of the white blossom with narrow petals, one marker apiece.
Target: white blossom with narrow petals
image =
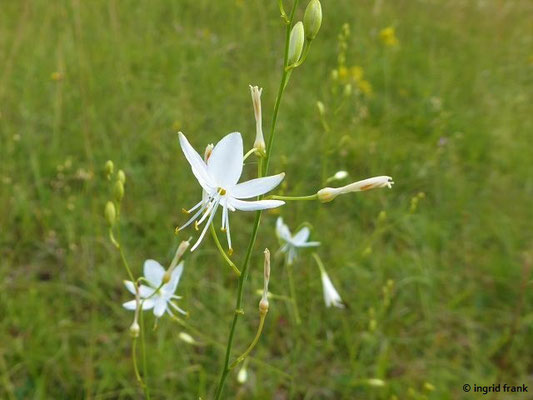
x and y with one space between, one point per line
218 177
291 243
160 300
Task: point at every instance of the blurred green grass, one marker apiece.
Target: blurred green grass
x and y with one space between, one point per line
450 116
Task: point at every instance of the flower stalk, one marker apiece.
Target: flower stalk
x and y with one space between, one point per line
257 221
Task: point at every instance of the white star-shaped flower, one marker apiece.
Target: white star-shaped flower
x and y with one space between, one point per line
218 177
291 243
160 300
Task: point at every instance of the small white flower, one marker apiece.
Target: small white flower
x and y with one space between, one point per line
331 296
328 194
291 243
339 175
218 177
161 299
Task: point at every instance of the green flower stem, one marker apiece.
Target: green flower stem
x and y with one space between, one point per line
319 263
250 152
252 345
222 252
292 288
294 198
135 366
257 221
143 347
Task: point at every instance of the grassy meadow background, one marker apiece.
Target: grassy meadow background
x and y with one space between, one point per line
449 116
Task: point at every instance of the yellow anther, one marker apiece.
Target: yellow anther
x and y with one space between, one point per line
230 251
184 211
221 191
196 225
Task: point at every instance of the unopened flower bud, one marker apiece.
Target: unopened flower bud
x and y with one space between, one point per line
296 43
186 338
109 167
110 213
312 19
118 191
121 176
321 108
259 143
328 194
375 382
242 376
135 329
263 305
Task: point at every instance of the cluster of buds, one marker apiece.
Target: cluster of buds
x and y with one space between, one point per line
303 32
112 207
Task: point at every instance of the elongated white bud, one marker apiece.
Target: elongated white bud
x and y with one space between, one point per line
312 19
263 304
259 143
328 194
182 248
296 43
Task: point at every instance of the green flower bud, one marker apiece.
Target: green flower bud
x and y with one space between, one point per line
118 191
312 19
121 176
109 167
110 213
296 43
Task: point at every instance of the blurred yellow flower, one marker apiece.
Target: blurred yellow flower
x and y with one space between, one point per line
365 87
343 73
56 76
388 36
356 72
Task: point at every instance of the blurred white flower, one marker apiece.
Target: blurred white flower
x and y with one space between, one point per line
160 300
331 296
291 243
242 376
328 194
218 178
339 175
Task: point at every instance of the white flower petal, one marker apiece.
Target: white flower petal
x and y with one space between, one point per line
226 160
255 205
132 305
153 272
130 286
160 306
309 244
198 166
256 187
283 230
144 291
170 287
301 236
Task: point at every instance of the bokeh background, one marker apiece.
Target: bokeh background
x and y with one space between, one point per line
437 94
